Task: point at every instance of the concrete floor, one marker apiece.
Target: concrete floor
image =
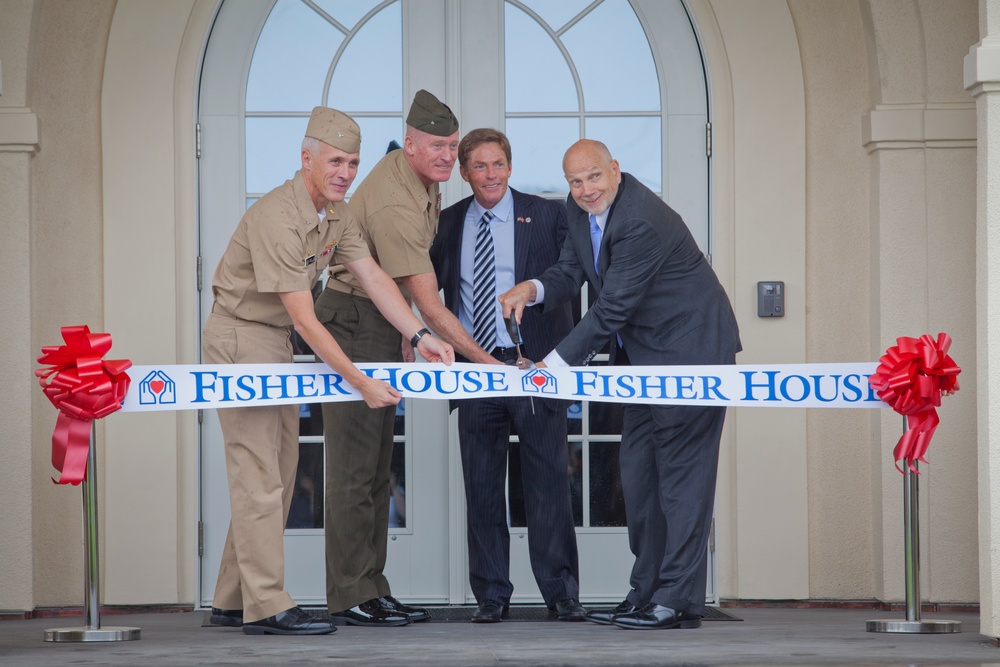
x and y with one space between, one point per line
764 637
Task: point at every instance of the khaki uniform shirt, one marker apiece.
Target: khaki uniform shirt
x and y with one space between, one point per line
398 217
281 245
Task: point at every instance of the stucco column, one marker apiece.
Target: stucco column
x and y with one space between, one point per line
18 144
982 79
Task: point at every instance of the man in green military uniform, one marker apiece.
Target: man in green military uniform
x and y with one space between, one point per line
262 288
397 207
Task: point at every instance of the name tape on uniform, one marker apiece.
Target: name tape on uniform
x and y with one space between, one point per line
187 387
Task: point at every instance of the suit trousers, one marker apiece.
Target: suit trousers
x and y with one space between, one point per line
358 455
669 459
484 427
262 453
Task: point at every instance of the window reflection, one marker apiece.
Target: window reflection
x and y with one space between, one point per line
605 418
620 75
576 481
310 420
306 510
399 425
538 77
607 505
574 418
636 144
378 133
273 151
368 76
397 486
280 78
538 145
397 469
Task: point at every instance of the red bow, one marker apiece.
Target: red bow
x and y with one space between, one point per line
912 376
84 387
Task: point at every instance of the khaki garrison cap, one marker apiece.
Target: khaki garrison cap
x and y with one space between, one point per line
335 128
428 114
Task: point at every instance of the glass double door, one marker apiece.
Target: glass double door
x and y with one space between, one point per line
522 66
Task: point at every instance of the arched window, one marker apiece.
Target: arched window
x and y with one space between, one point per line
579 69
346 55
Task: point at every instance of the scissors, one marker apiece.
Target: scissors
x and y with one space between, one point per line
514 331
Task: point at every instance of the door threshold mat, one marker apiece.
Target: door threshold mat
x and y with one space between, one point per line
518 612
463 613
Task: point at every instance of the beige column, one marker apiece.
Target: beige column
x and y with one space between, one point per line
18 143
982 79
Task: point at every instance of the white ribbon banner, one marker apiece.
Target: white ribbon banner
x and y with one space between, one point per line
241 385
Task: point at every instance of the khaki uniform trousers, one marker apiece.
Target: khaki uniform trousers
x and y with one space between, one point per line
262 453
358 455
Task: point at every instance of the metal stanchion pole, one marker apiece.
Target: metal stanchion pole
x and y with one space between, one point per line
911 547
92 631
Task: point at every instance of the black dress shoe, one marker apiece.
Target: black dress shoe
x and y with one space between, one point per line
292 621
370 613
569 610
230 618
491 611
604 616
657 617
393 605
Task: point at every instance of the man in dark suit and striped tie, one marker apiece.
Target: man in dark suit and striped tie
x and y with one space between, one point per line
485 244
660 302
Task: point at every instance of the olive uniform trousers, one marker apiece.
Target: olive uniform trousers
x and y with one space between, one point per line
358 455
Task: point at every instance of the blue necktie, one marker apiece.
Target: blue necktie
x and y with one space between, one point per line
595 240
484 287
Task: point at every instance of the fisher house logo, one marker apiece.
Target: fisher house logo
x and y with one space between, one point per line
157 389
539 381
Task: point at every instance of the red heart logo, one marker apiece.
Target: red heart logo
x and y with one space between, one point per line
538 380
156 386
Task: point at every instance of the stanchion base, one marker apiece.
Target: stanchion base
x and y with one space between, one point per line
914 627
108 634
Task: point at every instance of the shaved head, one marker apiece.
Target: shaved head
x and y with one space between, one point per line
593 175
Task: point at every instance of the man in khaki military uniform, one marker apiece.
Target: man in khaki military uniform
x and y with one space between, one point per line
262 289
397 209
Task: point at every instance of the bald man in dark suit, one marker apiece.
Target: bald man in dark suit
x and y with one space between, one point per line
660 303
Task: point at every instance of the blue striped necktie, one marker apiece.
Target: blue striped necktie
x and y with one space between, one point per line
484 287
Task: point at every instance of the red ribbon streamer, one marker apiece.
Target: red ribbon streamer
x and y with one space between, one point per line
84 387
912 376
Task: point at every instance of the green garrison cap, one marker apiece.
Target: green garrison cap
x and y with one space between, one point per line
335 128
428 114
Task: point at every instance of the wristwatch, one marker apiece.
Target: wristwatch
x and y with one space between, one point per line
417 336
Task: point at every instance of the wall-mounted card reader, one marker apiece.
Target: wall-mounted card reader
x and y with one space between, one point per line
771 299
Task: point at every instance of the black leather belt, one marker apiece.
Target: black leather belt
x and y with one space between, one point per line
502 353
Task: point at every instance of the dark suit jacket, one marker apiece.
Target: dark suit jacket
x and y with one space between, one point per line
655 288
536 247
